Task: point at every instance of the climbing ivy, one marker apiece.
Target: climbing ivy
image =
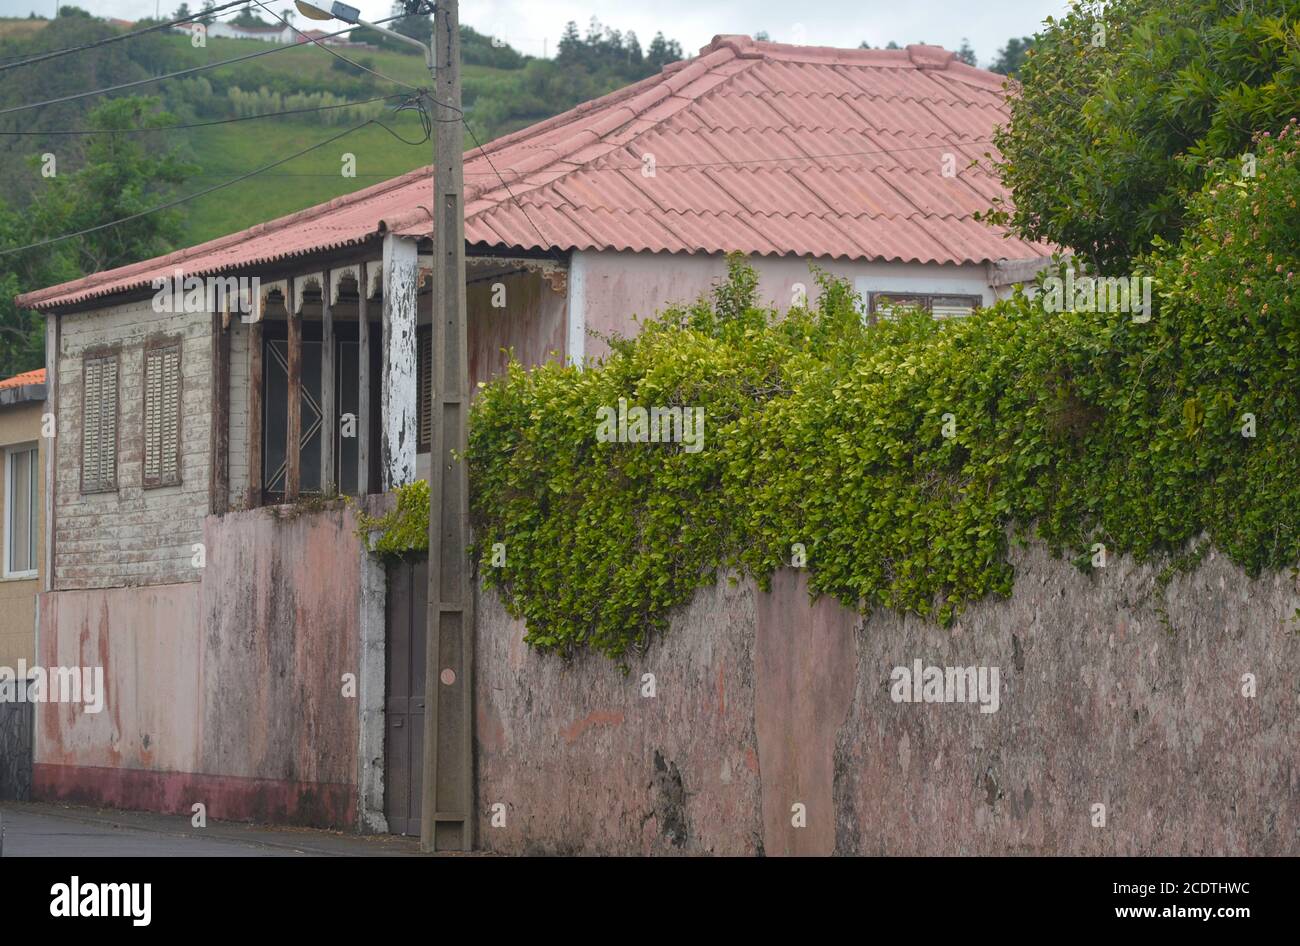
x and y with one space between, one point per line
902 455
402 530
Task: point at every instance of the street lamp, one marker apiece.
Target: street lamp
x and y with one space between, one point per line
341 11
447 786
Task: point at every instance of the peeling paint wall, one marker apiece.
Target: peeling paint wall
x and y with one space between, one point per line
764 701
622 286
227 691
132 535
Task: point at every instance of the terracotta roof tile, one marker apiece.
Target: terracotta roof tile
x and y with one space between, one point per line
759 147
20 380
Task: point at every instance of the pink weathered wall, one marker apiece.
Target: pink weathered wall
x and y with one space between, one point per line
225 691
765 701
619 287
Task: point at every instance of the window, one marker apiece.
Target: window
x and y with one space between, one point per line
424 372
275 410
20 511
99 424
162 414
941 307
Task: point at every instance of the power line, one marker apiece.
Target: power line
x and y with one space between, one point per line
336 55
218 121
208 190
174 75
522 209
55 54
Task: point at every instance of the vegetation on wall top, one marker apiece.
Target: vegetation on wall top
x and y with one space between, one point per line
894 459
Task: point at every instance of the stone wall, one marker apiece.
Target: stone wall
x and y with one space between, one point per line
764 702
133 535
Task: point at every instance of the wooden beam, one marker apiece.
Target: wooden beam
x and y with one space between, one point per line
363 387
329 407
254 415
219 480
293 433
398 413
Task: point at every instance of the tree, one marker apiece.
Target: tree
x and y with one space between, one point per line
1012 56
1124 107
662 51
965 53
122 175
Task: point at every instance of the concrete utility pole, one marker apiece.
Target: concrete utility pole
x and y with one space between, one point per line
447 803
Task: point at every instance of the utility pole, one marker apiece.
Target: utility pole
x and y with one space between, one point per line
447 790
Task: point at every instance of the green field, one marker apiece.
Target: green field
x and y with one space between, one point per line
225 152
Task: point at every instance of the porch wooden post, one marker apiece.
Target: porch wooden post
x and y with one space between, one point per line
255 414
329 409
293 435
363 382
219 498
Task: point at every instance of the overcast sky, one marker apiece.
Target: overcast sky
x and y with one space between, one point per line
527 23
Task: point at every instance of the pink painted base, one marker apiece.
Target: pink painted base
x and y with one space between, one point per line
226 797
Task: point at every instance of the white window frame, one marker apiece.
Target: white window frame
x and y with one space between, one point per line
11 451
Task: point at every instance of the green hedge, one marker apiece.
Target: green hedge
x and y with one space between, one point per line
1085 428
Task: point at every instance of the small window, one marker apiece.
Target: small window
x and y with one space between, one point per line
162 414
99 424
21 476
941 307
424 371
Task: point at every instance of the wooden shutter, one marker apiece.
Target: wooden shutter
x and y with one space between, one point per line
424 362
952 307
99 424
162 414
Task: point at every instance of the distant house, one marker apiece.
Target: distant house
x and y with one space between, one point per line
22 512
22 487
225 613
267 34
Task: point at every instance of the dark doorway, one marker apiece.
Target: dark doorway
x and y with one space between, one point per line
404 705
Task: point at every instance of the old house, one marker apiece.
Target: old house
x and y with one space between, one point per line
22 488
253 663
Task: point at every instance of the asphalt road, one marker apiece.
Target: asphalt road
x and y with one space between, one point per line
30 829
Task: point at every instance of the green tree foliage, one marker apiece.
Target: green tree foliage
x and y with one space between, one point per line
823 431
966 54
1125 106
1012 56
121 175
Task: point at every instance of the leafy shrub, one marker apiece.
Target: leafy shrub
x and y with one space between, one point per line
823 431
1123 107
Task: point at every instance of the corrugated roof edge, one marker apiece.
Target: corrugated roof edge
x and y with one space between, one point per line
82 290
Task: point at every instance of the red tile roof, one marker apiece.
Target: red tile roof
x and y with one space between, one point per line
27 377
762 148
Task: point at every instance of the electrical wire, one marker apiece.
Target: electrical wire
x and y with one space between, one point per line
183 72
202 193
217 121
336 55
57 53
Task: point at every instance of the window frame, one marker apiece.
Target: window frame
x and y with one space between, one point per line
153 345
12 450
923 300
93 354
